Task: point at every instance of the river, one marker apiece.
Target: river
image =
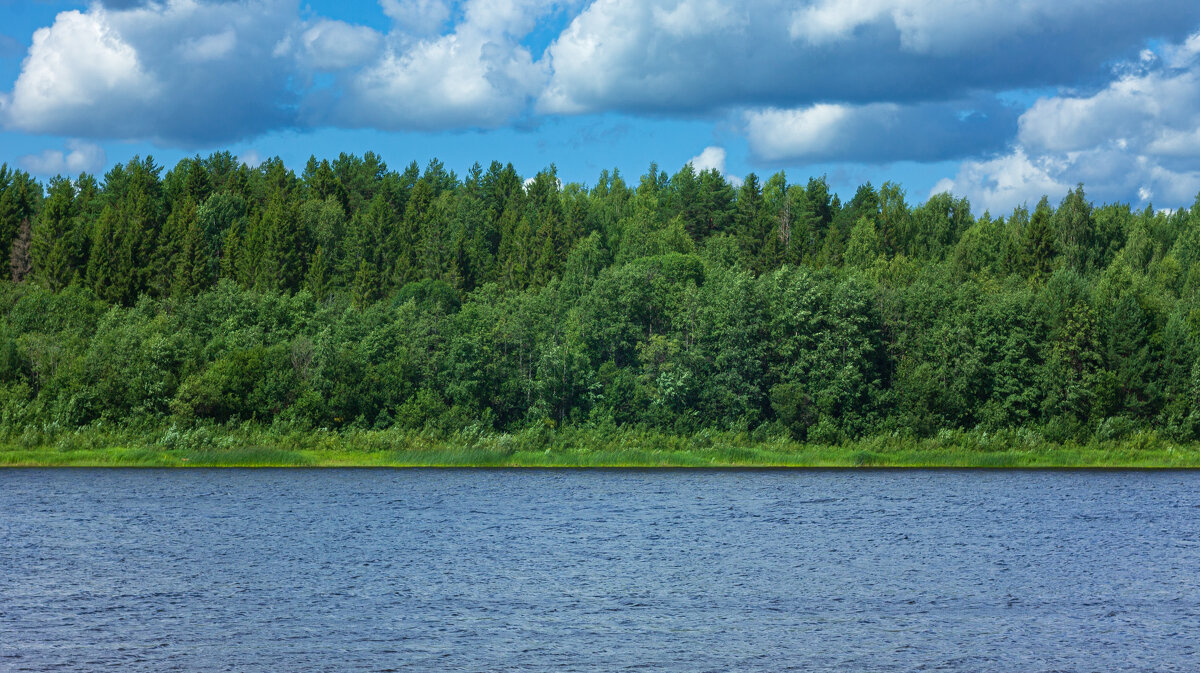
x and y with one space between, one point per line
598 570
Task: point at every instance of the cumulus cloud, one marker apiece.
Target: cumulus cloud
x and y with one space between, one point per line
1000 184
939 26
870 81
1135 139
335 45
78 157
190 73
1156 113
1109 175
420 17
642 55
124 4
879 132
1183 55
697 17
478 75
211 47
182 72
80 63
712 157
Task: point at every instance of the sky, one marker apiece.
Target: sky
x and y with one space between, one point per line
1000 101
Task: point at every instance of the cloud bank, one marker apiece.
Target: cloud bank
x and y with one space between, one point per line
78 157
1136 138
817 81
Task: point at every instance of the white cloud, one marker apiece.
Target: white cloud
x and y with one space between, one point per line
209 47
776 134
937 26
1152 112
180 71
706 55
79 157
1135 139
617 51
419 17
712 157
698 17
528 182
479 75
1002 183
817 81
335 45
1183 55
76 64
879 132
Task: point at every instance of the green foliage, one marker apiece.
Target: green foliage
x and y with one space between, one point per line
358 299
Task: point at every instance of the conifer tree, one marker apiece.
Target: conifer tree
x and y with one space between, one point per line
53 248
366 285
286 246
103 262
1038 249
319 280
194 271
406 241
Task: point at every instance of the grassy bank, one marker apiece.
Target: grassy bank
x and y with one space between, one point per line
258 446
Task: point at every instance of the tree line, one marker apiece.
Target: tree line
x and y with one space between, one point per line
353 295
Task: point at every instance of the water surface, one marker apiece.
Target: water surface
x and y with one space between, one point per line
593 570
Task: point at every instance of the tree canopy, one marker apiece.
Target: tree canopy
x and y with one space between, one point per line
354 295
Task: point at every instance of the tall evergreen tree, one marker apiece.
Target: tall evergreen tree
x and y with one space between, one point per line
1038 250
54 249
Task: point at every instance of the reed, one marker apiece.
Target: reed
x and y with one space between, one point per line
251 445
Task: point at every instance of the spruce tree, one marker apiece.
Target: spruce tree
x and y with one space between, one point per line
103 268
1038 249
285 257
53 245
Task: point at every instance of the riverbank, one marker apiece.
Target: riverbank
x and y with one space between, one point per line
250 446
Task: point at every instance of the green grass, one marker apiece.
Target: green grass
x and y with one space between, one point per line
262 446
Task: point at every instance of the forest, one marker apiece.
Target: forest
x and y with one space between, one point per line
213 297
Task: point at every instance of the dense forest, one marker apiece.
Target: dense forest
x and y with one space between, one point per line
354 296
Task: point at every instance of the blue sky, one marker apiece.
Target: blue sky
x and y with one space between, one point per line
1000 101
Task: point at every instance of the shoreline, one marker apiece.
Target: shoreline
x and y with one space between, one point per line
1062 457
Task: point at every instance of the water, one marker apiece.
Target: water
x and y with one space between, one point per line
449 570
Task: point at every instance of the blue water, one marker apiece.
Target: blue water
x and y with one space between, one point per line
455 570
